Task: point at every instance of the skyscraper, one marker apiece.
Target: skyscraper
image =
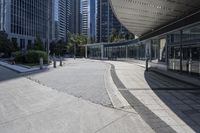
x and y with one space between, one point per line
68 15
60 20
85 17
89 19
106 21
75 17
23 20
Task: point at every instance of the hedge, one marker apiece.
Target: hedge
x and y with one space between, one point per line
30 57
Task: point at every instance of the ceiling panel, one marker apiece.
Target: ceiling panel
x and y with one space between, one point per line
142 16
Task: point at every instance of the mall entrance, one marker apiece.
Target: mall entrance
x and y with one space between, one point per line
185 59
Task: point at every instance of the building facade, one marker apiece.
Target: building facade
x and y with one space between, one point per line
169 39
85 17
75 17
59 20
62 19
89 19
106 21
23 20
68 15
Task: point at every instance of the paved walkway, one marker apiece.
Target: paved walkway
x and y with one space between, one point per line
162 102
29 107
87 96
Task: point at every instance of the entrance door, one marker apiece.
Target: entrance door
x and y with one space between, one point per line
191 58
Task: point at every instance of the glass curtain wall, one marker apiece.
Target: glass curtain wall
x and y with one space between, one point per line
184 50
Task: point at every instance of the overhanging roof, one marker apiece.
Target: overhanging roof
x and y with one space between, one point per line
143 16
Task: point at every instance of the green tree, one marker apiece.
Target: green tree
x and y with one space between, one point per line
115 35
5 44
58 48
38 44
76 44
15 46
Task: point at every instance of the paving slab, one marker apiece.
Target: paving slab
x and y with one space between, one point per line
142 89
29 107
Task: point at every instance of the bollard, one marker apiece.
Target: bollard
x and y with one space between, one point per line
41 63
61 64
147 64
54 62
190 66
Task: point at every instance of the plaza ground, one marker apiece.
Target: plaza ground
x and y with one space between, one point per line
89 96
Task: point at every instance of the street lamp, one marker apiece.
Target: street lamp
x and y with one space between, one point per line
48 26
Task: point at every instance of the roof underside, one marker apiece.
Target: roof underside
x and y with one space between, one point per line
143 16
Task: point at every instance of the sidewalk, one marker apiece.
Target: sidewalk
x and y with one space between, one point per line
156 99
28 107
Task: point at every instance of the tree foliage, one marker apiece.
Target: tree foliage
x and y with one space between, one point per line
6 46
76 44
58 48
38 44
118 36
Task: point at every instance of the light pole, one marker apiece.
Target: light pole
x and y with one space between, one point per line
48 26
74 50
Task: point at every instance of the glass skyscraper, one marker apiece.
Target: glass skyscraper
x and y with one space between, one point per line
106 21
89 19
75 17
23 20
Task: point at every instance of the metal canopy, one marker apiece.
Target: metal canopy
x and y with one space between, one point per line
143 16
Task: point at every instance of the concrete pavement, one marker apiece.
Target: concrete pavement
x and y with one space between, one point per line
87 96
29 107
165 104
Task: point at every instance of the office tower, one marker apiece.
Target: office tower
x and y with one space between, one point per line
89 19
23 20
60 20
75 17
68 15
106 21
85 17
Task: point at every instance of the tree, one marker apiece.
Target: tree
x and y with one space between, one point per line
38 44
58 48
115 35
76 44
15 46
129 36
5 44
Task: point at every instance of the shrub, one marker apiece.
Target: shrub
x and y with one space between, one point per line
33 56
30 57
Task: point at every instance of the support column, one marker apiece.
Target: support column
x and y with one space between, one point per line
102 52
86 51
126 52
167 53
181 51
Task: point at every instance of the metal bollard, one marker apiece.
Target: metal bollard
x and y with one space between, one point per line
61 64
41 63
147 64
190 66
54 62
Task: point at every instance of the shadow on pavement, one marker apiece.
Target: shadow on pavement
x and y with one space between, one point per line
183 100
7 74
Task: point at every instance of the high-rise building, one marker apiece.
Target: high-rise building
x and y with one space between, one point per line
106 21
60 20
85 17
89 19
23 20
75 17
68 15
